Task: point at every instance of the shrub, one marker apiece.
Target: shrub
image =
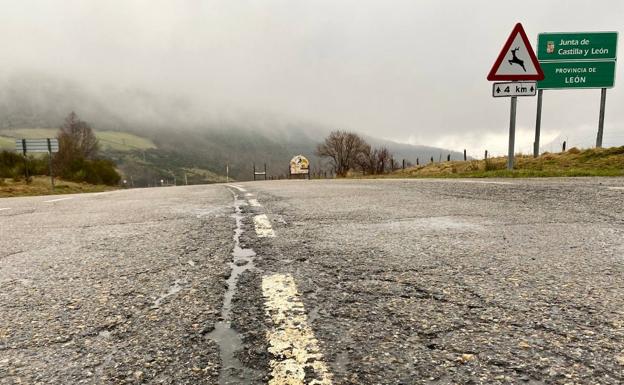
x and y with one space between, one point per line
97 171
574 150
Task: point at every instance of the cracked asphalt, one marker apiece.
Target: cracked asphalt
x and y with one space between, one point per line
115 288
403 281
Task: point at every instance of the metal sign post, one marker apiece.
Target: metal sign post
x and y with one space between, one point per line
538 124
512 133
603 101
50 162
25 161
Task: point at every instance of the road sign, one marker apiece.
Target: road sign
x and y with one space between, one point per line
516 61
578 74
256 173
507 89
577 59
577 46
36 145
573 60
26 146
299 165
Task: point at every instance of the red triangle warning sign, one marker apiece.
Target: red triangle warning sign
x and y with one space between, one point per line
517 61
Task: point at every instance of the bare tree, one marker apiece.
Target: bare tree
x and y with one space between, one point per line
365 159
77 143
383 159
77 138
343 149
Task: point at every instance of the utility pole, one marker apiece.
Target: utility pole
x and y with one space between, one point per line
227 172
185 179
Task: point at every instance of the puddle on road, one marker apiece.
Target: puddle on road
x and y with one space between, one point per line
228 339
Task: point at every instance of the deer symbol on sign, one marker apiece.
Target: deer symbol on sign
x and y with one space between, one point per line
515 59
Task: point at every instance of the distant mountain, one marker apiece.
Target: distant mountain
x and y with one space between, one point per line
411 152
184 142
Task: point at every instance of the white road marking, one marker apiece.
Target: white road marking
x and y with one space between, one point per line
484 182
254 203
236 187
263 226
616 188
292 343
109 192
58 200
5 208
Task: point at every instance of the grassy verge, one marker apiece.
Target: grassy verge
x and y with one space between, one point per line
114 140
574 162
40 185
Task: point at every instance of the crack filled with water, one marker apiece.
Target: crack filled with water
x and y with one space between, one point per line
228 339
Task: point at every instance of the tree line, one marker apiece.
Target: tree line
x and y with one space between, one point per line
348 151
77 160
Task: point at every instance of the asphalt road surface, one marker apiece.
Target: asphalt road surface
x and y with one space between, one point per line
317 282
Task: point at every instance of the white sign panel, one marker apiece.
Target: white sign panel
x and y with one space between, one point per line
36 145
517 60
508 89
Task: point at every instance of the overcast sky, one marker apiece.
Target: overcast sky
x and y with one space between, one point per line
411 71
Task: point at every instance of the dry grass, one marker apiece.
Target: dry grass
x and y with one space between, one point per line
40 185
574 162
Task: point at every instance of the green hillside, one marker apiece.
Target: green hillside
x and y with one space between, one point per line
115 140
137 157
7 143
29 133
123 141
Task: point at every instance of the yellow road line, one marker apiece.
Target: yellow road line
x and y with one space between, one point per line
294 349
263 226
